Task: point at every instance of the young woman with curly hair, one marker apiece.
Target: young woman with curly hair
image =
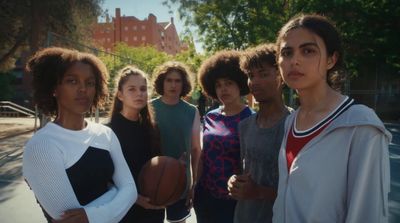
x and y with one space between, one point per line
221 79
75 168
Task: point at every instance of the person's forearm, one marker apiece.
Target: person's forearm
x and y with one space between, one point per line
199 168
265 193
195 157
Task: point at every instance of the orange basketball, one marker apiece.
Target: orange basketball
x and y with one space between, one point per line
163 180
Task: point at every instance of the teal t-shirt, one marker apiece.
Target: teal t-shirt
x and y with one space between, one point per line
175 123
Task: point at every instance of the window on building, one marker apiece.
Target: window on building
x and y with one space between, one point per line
108 40
143 38
143 27
134 38
126 39
134 27
126 28
162 34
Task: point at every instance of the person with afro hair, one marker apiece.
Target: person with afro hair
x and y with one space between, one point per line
75 167
222 79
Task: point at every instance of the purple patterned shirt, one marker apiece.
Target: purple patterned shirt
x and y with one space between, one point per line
221 150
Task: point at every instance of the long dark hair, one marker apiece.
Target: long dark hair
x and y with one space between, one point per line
146 114
326 30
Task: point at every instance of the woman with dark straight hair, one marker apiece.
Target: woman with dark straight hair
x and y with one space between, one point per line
334 161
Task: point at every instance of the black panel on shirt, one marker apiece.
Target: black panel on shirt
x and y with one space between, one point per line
91 175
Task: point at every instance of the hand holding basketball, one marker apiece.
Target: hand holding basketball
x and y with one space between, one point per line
163 180
145 203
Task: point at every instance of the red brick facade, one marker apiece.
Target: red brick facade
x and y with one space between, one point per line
135 32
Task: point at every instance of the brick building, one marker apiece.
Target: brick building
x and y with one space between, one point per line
134 32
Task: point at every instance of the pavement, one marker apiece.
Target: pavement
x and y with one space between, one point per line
10 127
17 202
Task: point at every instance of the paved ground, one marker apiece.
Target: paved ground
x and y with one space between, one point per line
18 205
10 127
17 202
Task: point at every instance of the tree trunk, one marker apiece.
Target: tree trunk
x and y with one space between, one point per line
38 10
13 49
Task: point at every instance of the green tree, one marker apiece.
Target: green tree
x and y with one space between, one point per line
370 28
370 31
113 63
193 59
25 24
147 58
190 57
233 24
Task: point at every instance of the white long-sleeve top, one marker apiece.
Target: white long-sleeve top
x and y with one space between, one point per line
341 175
53 150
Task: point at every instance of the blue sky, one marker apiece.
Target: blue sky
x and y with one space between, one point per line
141 9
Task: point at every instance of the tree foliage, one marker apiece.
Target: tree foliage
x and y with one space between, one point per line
190 57
370 28
25 24
233 24
146 58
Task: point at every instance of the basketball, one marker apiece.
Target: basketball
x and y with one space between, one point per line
163 180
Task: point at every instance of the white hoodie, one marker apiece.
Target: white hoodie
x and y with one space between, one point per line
341 175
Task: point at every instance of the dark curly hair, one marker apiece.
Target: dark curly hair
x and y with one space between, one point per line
255 57
48 67
326 30
161 72
223 64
